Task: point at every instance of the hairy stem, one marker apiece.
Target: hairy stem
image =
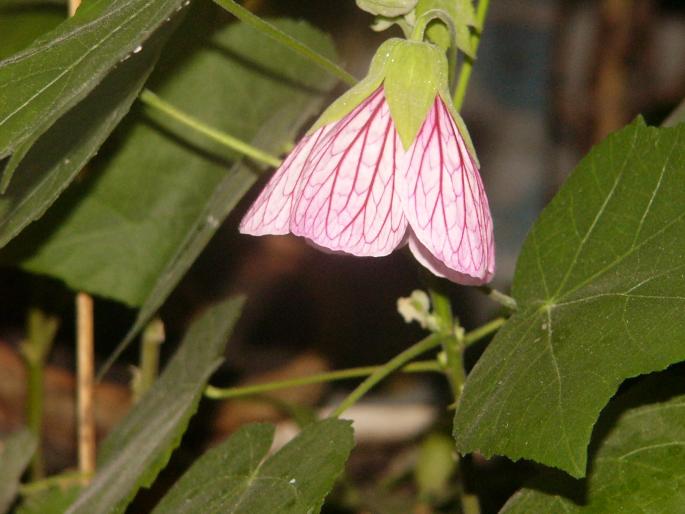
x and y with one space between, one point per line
286 40
467 67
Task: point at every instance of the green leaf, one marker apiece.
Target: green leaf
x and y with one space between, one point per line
235 477
71 61
601 293
141 445
20 24
52 162
160 193
15 453
387 8
639 464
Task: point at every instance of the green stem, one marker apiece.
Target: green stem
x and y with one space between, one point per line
467 67
454 368
152 100
484 331
499 297
217 393
392 365
284 39
41 330
152 338
34 413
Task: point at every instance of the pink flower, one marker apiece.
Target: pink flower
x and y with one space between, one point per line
350 186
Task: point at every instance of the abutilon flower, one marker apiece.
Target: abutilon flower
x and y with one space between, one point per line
389 163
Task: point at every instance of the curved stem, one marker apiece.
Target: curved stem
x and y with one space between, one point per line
392 365
152 100
430 15
217 393
467 67
286 40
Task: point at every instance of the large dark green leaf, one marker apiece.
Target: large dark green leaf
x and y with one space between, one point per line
132 227
40 84
639 465
15 453
61 152
140 446
600 286
21 23
236 477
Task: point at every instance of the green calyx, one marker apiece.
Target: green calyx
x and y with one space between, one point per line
413 74
357 94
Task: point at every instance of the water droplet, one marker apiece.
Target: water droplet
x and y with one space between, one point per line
67 161
137 49
292 481
126 57
186 3
212 221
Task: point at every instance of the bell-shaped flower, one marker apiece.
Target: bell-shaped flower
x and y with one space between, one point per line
388 163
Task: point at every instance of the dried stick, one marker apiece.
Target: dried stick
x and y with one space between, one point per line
72 5
85 383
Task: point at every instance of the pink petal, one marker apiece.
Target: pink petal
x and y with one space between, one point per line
270 213
445 203
347 199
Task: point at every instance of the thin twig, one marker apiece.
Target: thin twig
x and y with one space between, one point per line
85 365
72 5
85 383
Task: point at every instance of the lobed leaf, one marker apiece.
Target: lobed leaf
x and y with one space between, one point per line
600 288
236 477
140 446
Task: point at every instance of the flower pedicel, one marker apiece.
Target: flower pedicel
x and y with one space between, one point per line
390 162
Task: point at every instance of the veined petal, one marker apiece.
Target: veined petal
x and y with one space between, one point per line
445 203
270 213
347 199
